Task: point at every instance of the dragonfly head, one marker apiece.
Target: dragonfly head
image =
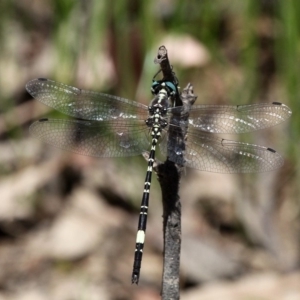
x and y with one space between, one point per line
158 85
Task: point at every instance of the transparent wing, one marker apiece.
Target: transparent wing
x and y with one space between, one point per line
206 152
236 119
83 104
92 138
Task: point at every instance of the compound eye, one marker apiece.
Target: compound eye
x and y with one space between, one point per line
155 87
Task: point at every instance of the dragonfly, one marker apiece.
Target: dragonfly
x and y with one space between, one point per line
104 125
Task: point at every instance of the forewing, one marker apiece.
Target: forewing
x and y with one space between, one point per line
207 152
84 104
236 119
92 138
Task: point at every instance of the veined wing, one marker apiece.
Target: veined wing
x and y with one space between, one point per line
84 104
207 152
101 139
236 119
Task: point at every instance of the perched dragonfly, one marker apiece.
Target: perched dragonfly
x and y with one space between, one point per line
110 126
